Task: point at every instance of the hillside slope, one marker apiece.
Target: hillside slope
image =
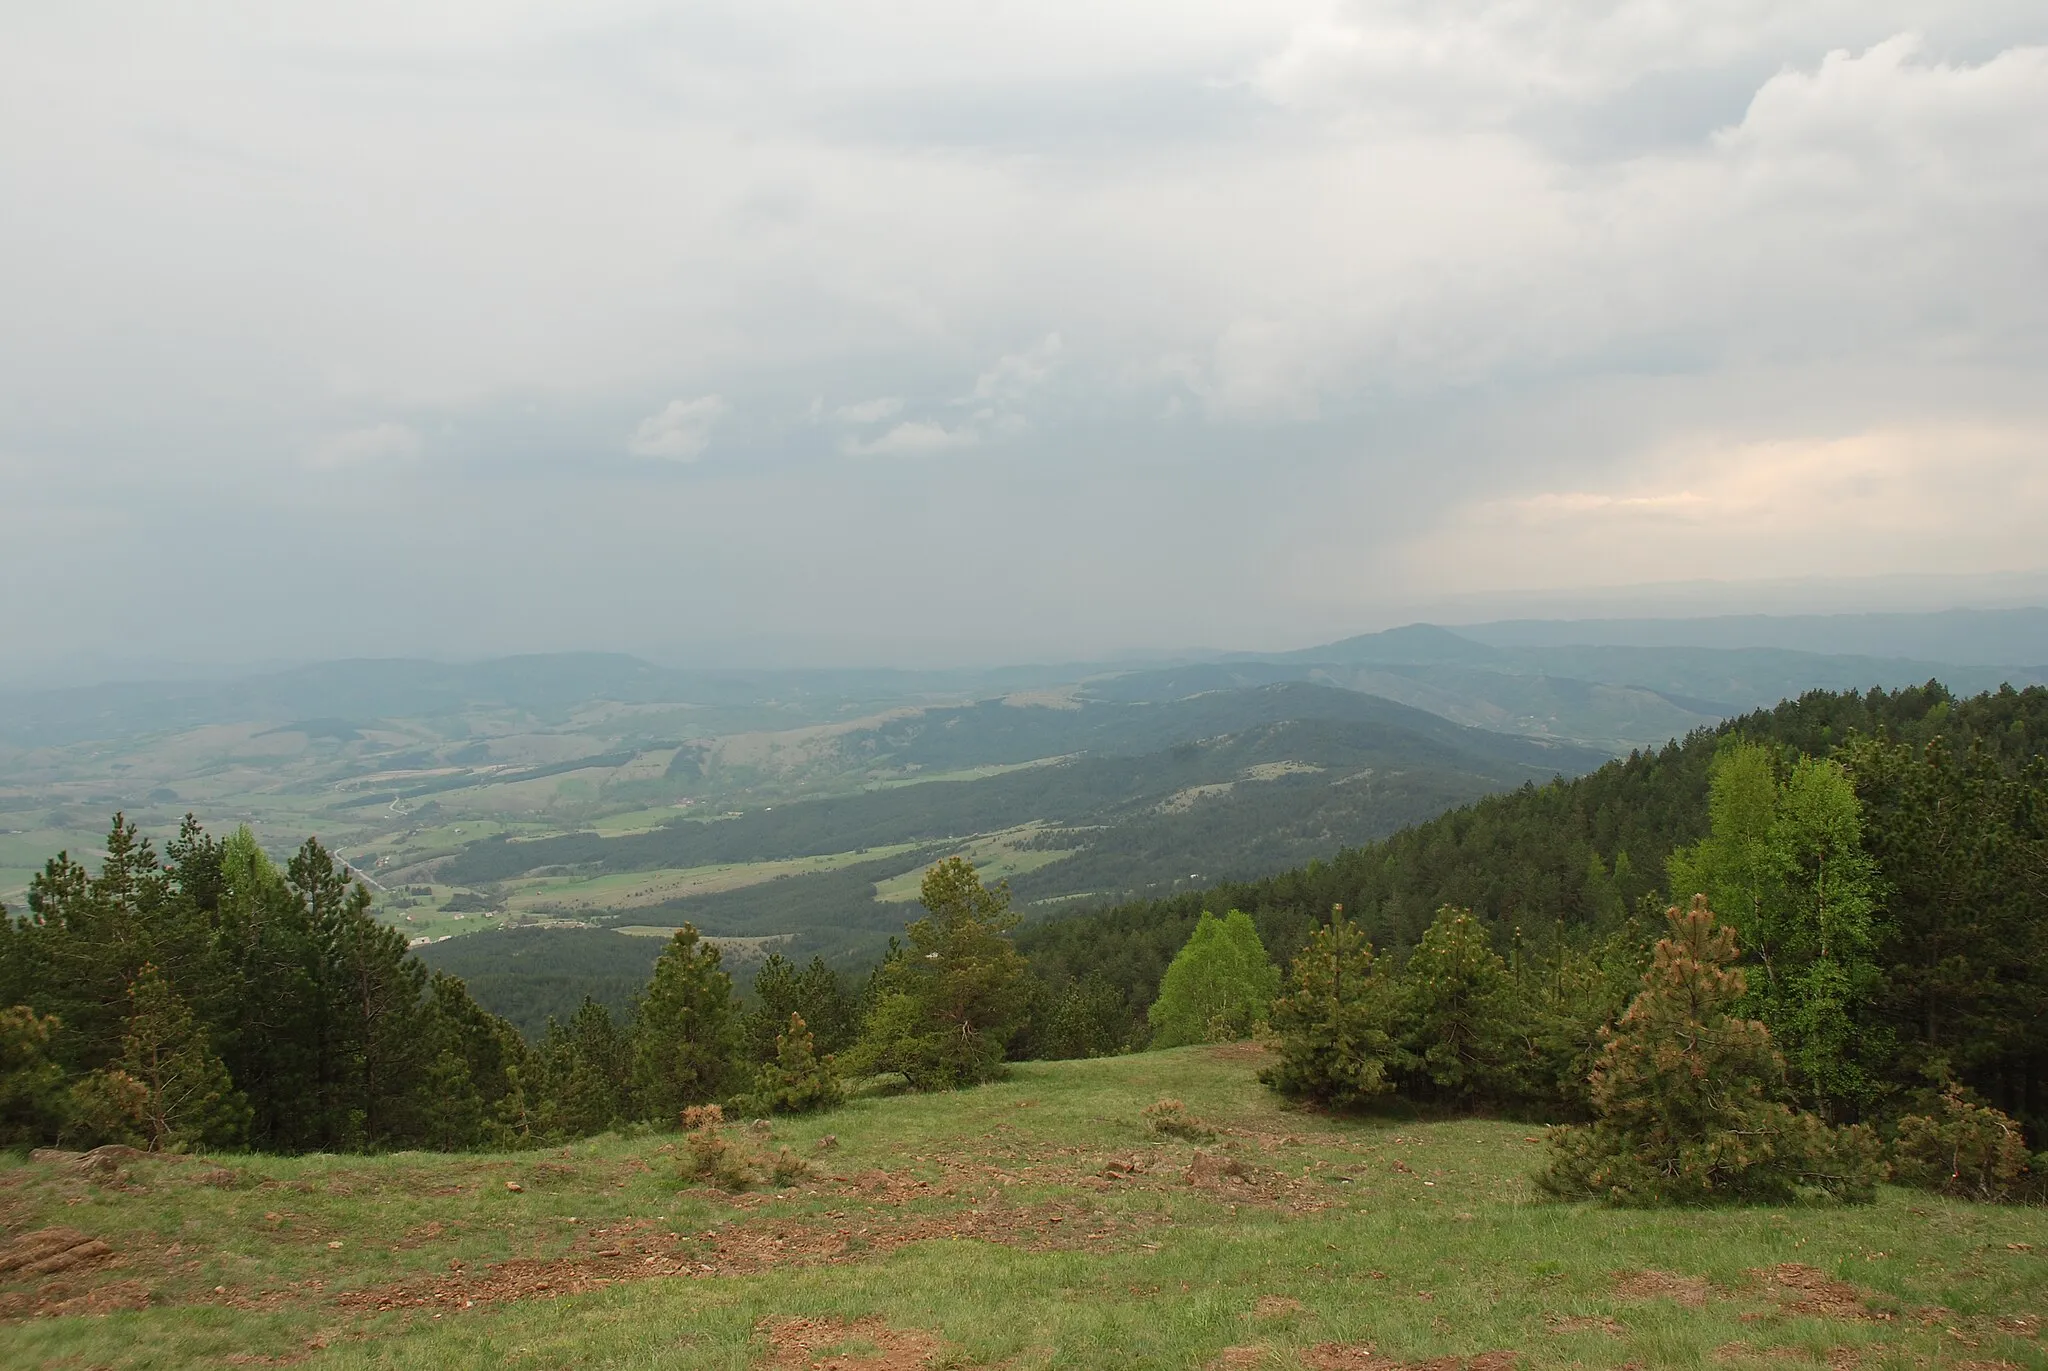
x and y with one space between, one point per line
1035 1222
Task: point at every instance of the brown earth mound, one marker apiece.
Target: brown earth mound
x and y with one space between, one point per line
829 1344
50 1262
48 1251
1808 1290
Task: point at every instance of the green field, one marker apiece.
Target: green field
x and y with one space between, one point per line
24 851
1033 1223
638 889
997 856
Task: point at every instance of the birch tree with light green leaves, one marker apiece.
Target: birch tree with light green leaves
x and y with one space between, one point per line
1785 858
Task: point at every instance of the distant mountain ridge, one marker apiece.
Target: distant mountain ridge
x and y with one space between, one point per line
1958 637
1612 684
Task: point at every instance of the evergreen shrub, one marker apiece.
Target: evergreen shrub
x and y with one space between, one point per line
1689 1100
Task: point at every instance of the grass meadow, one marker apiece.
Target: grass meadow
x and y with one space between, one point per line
1032 1223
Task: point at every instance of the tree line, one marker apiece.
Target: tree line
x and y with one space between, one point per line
1882 860
205 998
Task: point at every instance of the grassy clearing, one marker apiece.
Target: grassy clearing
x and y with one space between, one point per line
1034 1223
634 821
996 856
639 889
972 773
23 854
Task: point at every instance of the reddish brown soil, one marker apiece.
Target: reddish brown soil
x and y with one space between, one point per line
827 1344
641 1250
58 1262
1798 1289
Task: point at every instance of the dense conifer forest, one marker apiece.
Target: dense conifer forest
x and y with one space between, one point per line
1951 812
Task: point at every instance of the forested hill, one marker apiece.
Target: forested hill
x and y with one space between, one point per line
1955 815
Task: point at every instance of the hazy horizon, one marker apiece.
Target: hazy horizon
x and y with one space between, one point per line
1718 614
913 335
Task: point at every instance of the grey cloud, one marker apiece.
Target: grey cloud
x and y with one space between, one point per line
1233 305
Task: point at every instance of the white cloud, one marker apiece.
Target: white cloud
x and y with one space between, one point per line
680 431
869 411
1016 374
916 438
364 447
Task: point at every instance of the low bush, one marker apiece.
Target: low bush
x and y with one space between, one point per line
714 1157
798 1081
1688 1098
1967 1150
1170 1119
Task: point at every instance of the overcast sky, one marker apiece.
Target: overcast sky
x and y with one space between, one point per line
856 332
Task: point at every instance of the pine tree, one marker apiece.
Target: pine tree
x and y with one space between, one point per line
188 1099
370 1048
476 1057
31 1085
1689 1099
945 1005
1463 1028
797 1081
1335 1020
1571 995
1219 987
584 1071
269 1022
685 1036
781 989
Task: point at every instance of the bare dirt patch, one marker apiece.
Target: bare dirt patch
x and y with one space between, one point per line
1798 1289
829 1344
1275 1307
1690 1292
1361 1356
642 1250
